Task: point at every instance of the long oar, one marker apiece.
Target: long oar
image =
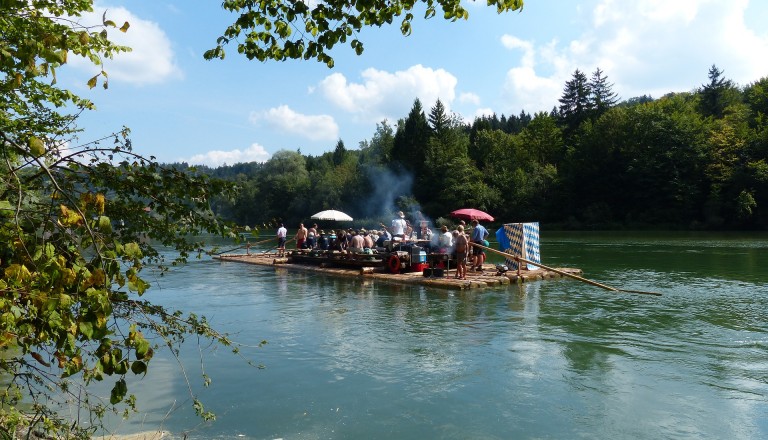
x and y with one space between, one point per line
271 249
245 245
562 272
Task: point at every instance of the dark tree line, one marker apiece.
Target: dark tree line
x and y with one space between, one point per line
694 160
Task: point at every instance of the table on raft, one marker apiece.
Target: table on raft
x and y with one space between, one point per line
488 277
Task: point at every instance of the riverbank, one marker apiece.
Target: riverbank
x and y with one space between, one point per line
147 435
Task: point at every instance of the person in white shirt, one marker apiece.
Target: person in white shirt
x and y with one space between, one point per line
445 241
281 234
399 225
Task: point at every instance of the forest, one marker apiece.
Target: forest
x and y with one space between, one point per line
685 161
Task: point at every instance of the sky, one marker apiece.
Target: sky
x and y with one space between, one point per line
182 108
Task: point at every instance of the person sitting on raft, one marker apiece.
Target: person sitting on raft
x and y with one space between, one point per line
323 242
367 239
356 243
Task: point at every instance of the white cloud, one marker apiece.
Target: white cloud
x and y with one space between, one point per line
469 98
314 127
651 47
254 153
385 95
512 43
484 111
151 60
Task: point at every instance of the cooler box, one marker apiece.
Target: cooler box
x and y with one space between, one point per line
418 255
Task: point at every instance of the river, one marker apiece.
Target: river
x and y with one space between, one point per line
354 359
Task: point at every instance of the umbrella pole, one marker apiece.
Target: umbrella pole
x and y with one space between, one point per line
561 272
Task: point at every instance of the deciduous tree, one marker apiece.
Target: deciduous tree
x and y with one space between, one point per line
281 30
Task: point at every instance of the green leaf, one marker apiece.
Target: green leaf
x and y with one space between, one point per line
6 209
139 367
54 320
121 367
118 392
142 348
36 146
105 225
86 329
136 284
132 250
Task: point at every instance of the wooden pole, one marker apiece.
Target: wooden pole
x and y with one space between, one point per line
286 242
562 272
245 245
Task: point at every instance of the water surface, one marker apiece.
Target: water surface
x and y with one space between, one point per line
352 358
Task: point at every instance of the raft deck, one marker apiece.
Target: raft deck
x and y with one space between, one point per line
475 279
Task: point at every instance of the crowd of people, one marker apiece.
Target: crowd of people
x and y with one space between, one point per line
454 242
349 240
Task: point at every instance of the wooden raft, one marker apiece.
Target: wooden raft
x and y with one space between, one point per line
475 280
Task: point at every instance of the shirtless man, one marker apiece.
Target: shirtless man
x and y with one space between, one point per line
367 240
301 236
461 244
356 243
312 237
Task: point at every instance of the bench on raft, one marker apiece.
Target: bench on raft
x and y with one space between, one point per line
337 258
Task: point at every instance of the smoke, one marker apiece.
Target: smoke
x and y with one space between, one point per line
388 187
393 192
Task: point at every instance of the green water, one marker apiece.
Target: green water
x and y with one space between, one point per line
355 359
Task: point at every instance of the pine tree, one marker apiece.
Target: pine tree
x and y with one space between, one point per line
438 118
575 103
602 95
716 95
339 153
411 140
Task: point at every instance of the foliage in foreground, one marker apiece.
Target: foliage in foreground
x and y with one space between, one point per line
77 226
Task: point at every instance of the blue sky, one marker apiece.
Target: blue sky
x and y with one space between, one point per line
183 108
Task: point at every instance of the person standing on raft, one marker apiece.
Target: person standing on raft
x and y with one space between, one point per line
282 233
479 234
399 225
461 244
301 236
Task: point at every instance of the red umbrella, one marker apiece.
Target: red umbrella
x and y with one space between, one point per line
470 214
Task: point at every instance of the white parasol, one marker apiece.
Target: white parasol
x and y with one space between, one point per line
332 214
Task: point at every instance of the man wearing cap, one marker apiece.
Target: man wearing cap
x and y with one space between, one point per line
399 225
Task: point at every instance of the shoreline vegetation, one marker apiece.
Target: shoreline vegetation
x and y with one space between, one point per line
686 161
